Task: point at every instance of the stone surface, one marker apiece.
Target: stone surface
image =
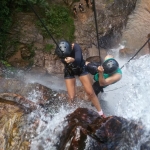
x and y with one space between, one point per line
12 123
86 128
111 17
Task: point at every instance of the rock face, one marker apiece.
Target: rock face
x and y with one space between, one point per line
86 128
27 50
137 28
12 135
111 18
19 92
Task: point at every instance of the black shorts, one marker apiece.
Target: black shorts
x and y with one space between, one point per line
97 88
71 73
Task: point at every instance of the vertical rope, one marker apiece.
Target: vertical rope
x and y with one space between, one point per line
41 22
95 16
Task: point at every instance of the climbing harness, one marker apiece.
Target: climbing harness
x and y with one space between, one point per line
95 16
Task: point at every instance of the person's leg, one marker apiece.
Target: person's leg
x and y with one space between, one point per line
86 81
70 85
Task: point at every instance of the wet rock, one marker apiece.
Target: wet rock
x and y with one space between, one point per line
38 71
86 128
20 100
11 126
137 28
148 41
111 18
125 52
145 146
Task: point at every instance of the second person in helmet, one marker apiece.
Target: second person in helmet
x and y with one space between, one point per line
106 74
74 65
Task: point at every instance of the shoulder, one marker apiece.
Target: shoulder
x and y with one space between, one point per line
119 71
76 46
117 76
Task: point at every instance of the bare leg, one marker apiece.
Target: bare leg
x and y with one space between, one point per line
86 81
70 84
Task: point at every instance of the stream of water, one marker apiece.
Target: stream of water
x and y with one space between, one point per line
128 98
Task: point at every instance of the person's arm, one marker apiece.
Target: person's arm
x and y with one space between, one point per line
69 60
112 79
78 54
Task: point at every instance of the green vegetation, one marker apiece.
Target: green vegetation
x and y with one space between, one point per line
49 47
5 23
59 22
5 63
57 18
30 52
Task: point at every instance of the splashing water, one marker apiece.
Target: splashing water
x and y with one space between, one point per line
45 125
130 100
49 129
129 97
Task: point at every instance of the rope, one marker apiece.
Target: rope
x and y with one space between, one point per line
43 24
136 53
96 29
116 88
128 61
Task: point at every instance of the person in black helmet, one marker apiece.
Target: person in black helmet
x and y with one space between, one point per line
106 74
74 65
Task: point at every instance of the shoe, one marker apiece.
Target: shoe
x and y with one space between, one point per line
103 116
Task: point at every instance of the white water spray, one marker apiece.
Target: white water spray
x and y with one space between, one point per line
129 97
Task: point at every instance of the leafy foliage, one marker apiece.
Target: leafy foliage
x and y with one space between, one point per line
59 22
57 19
49 47
5 23
70 2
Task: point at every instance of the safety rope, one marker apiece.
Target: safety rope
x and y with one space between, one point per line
95 16
128 62
43 24
136 52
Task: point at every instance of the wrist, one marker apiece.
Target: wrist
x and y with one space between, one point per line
72 60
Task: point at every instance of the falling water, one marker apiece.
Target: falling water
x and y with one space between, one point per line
128 98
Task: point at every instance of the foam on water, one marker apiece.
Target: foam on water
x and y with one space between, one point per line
128 98
44 127
49 130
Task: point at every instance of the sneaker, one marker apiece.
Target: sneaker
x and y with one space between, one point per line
103 116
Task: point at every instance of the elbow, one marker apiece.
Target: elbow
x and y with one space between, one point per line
102 84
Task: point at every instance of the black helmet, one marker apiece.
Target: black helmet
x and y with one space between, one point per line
64 49
92 67
110 66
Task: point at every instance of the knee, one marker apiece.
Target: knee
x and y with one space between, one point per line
91 94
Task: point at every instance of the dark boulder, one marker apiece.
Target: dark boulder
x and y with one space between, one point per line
87 129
